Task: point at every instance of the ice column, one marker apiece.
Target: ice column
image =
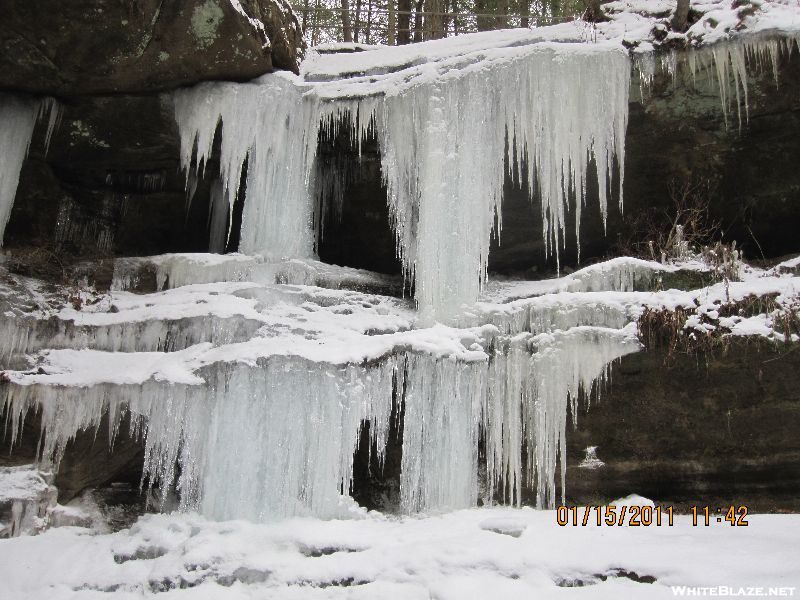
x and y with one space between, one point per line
551 109
441 398
17 120
267 125
275 441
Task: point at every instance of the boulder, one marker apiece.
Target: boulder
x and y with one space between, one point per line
108 46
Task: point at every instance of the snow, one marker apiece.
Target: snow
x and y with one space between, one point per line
469 554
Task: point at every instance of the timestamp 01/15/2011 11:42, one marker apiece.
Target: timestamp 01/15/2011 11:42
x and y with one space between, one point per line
638 516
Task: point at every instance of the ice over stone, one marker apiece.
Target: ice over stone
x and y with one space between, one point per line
447 134
251 396
267 425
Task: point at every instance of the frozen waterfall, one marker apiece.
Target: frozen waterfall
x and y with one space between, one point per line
261 424
447 133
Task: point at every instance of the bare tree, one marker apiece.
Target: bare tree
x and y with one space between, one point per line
347 29
403 21
594 12
357 22
525 11
680 18
501 20
433 20
483 21
391 23
418 20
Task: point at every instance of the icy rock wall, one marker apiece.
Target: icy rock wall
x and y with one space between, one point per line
284 430
20 336
729 63
18 118
446 139
283 433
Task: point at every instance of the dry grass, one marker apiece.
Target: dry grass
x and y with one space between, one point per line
666 329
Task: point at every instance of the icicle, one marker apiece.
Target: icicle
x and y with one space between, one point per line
17 120
729 62
268 125
283 433
443 147
443 400
18 117
530 392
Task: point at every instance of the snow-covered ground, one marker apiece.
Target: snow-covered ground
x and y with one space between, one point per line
465 555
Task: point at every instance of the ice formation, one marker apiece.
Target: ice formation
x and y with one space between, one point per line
18 118
279 408
519 107
271 384
251 390
728 64
268 126
530 392
26 500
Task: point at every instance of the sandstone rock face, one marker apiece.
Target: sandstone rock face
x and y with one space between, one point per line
110 182
703 430
90 460
89 47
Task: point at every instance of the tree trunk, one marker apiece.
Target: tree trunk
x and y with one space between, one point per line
680 19
368 28
304 24
391 24
501 20
347 30
594 13
483 21
357 22
433 20
525 13
403 21
445 18
418 20
315 24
